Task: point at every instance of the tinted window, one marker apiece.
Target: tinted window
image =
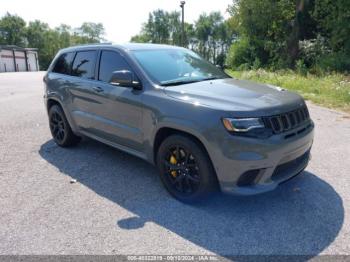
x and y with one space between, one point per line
111 61
63 64
84 64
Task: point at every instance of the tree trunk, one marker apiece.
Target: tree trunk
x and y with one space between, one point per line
293 41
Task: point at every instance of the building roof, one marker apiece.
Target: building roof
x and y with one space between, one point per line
17 48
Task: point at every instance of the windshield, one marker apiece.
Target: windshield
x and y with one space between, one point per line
171 67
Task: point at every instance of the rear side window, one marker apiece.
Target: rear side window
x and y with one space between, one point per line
84 64
63 64
110 62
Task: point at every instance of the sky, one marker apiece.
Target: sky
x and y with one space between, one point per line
121 19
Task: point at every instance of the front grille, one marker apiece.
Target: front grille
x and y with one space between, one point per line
287 121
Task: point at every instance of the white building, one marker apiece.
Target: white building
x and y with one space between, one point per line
17 59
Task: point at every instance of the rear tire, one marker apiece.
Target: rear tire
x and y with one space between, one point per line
60 129
185 169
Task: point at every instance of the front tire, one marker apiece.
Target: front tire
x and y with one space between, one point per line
185 169
60 129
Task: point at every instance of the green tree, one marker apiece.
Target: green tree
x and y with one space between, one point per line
279 33
162 27
175 29
273 28
213 37
210 35
202 33
333 20
50 47
190 39
157 27
266 25
140 38
35 34
12 30
65 35
94 32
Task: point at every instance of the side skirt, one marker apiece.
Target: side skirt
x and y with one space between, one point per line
117 146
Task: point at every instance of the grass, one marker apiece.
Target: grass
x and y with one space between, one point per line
331 90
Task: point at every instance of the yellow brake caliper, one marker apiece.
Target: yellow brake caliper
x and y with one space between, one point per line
173 161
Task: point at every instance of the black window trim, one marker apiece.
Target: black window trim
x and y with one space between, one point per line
71 63
97 64
119 53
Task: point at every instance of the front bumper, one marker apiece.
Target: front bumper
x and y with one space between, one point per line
266 163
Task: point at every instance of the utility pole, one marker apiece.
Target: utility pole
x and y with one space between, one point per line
182 5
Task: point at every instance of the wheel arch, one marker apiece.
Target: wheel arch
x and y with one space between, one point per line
166 131
54 101
50 102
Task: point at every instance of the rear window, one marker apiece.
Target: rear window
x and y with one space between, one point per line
84 64
63 64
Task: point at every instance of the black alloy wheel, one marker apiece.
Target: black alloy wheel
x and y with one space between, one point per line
185 169
57 127
182 170
60 128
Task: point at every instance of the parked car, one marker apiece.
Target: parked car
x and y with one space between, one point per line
204 130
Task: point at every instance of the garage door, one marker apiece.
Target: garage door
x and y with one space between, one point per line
7 64
32 65
20 61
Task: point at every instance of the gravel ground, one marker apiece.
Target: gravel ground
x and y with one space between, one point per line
118 205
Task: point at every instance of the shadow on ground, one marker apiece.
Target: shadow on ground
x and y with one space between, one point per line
302 216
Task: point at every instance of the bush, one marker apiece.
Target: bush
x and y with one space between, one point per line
220 60
256 64
339 62
243 67
301 67
320 59
311 50
240 54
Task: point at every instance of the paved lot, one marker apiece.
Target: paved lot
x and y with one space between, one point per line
118 205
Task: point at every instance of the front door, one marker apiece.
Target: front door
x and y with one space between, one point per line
115 111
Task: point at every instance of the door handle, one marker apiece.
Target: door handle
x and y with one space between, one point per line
97 89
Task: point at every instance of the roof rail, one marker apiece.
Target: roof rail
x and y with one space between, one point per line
106 43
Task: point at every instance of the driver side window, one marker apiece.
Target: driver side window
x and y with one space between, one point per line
110 62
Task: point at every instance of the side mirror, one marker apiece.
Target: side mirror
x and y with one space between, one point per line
125 78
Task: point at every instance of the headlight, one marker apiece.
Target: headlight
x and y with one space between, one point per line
242 124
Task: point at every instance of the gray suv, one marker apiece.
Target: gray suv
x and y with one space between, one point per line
204 130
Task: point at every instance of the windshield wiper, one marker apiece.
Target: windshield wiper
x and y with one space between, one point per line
211 78
181 82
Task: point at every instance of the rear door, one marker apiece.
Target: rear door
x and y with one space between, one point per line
58 80
85 100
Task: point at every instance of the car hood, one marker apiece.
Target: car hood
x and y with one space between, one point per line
240 96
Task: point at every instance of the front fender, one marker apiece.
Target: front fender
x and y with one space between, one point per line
178 124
